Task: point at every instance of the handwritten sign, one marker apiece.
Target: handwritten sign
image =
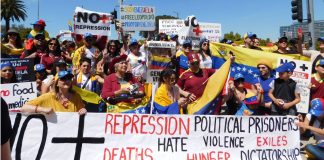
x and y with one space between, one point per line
17 94
24 69
302 75
96 23
131 136
137 18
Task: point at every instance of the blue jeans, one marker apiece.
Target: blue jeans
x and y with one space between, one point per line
315 151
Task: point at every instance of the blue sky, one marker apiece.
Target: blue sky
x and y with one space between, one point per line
263 17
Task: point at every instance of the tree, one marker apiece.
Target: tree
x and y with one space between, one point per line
232 37
14 10
156 31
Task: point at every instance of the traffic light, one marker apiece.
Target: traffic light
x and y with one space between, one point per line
114 16
297 10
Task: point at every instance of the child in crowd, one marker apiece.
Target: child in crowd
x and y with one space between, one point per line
284 92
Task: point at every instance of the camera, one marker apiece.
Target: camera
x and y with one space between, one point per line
133 89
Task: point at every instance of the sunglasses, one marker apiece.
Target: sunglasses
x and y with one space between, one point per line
205 44
321 66
66 78
240 80
187 46
262 67
12 34
51 44
194 63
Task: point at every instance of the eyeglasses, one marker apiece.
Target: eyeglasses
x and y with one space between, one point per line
205 44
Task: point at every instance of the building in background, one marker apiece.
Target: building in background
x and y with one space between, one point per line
291 31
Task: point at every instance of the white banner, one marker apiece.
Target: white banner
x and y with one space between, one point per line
302 75
96 23
211 31
130 137
137 18
17 94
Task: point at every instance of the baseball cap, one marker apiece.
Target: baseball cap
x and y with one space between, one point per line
66 74
317 107
286 67
250 35
40 23
238 76
12 31
193 57
283 39
39 67
60 62
321 39
86 35
6 64
320 62
187 42
133 42
173 36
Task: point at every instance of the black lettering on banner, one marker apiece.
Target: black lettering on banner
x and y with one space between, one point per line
94 18
171 144
15 129
83 16
79 140
22 132
303 67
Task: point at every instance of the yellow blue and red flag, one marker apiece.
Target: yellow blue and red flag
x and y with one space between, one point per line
163 104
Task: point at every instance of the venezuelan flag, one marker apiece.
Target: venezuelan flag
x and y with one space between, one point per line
142 107
182 59
163 104
158 62
210 101
246 60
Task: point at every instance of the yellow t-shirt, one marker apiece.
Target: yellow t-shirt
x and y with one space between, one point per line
48 100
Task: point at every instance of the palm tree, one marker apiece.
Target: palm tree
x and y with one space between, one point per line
14 10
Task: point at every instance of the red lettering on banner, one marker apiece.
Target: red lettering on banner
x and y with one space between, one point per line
220 155
19 68
127 121
108 122
116 124
134 122
104 18
300 75
127 153
5 93
272 141
143 124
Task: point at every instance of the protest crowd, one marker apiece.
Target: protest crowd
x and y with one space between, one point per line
92 73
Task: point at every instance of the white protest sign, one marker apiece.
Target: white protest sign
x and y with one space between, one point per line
96 23
302 75
191 30
159 58
65 35
17 94
137 18
130 137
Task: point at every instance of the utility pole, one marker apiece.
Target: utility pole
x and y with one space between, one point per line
311 21
38 10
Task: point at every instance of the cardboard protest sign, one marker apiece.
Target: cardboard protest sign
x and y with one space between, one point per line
96 23
137 18
159 58
17 94
24 69
302 75
131 137
191 29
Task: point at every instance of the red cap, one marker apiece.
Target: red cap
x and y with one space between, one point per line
193 57
117 59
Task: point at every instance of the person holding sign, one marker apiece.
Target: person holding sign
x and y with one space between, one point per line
8 73
167 98
314 121
137 61
120 85
63 99
284 92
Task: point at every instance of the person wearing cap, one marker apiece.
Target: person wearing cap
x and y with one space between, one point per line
314 122
8 73
136 61
52 55
58 66
119 82
264 78
317 81
174 38
319 55
182 58
35 48
39 27
249 41
205 54
87 50
192 82
12 45
62 99
284 92
283 46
